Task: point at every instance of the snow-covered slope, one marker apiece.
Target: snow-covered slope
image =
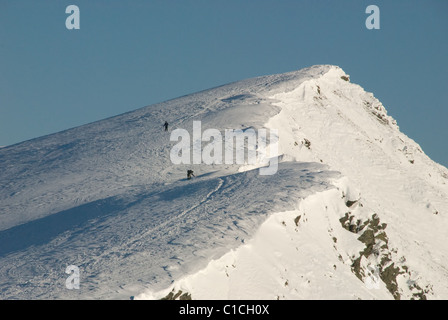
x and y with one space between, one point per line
380 234
356 209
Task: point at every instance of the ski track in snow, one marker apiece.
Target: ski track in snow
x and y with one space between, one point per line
155 237
106 198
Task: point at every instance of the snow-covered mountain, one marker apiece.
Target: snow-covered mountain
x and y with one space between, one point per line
356 209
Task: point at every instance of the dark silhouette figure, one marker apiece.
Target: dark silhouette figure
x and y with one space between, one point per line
166 126
190 174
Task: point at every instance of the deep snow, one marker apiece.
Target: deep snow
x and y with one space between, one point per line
106 198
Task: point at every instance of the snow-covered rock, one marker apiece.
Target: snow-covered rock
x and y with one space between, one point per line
356 209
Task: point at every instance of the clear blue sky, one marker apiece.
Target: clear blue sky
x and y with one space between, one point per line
129 54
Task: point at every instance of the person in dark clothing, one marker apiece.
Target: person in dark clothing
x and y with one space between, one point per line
190 174
166 126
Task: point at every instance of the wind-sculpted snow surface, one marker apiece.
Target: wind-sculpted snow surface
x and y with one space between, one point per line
46 175
107 199
148 237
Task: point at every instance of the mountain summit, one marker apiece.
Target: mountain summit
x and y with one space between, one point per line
356 210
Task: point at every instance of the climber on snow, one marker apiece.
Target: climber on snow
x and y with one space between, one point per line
190 174
166 126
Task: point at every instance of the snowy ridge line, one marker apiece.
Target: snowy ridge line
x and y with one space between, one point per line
105 197
110 256
279 262
97 152
343 126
